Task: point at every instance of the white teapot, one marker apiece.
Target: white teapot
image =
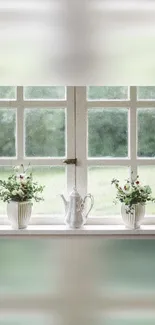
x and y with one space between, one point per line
74 209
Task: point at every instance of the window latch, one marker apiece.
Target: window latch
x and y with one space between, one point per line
70 161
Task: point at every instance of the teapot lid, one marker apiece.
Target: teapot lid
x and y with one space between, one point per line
74 192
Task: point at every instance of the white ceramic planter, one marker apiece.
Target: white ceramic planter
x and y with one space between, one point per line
19 213
133 220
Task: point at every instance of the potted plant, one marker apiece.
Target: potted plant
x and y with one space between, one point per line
133 196
19 190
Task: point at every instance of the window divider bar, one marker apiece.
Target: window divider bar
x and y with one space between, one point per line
8 104
146 161
108 103
108 162
20 124
70 137
133 132
44 161
44 104
145 104
81 140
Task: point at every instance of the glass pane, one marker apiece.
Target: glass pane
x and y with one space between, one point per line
7 92
146 134
111 93
54 179
99 185
107 132
45 132
146 92
43 92
7 132
146 176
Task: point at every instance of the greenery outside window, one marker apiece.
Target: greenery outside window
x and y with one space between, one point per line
110 130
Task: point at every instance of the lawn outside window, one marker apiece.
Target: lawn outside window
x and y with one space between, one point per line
110 130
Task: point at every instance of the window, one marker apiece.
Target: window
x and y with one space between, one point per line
110 130
37 127
120 142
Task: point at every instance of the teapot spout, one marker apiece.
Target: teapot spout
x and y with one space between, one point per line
64 200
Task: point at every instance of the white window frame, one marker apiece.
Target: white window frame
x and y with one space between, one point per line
20 104
132 104
77 106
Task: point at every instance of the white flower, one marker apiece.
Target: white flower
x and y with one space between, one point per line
37 196
20 192
14 192
127 187
21 176
23 181
6 191
17 168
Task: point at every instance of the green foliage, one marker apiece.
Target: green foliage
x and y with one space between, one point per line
132 193
45 132
146 92
107 127
146 134
7 92
106 92
44 92
20 187
7 132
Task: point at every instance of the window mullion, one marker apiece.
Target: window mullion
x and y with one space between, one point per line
70 137
20 125
133 132
81 140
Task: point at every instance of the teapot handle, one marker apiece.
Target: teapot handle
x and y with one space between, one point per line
88 196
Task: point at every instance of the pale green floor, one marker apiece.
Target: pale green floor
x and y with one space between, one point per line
99 185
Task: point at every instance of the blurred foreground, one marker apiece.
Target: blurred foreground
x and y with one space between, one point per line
77 281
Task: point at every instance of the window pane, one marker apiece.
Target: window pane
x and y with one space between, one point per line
7 132
99 185
146 133
54 179
54 92
146 175
96 93
107 132
45 132
7 92
146 92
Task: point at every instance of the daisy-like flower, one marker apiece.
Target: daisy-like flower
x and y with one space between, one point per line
20 192
14 192
126 187
16 168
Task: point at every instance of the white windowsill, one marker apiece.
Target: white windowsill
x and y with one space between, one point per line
116 231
